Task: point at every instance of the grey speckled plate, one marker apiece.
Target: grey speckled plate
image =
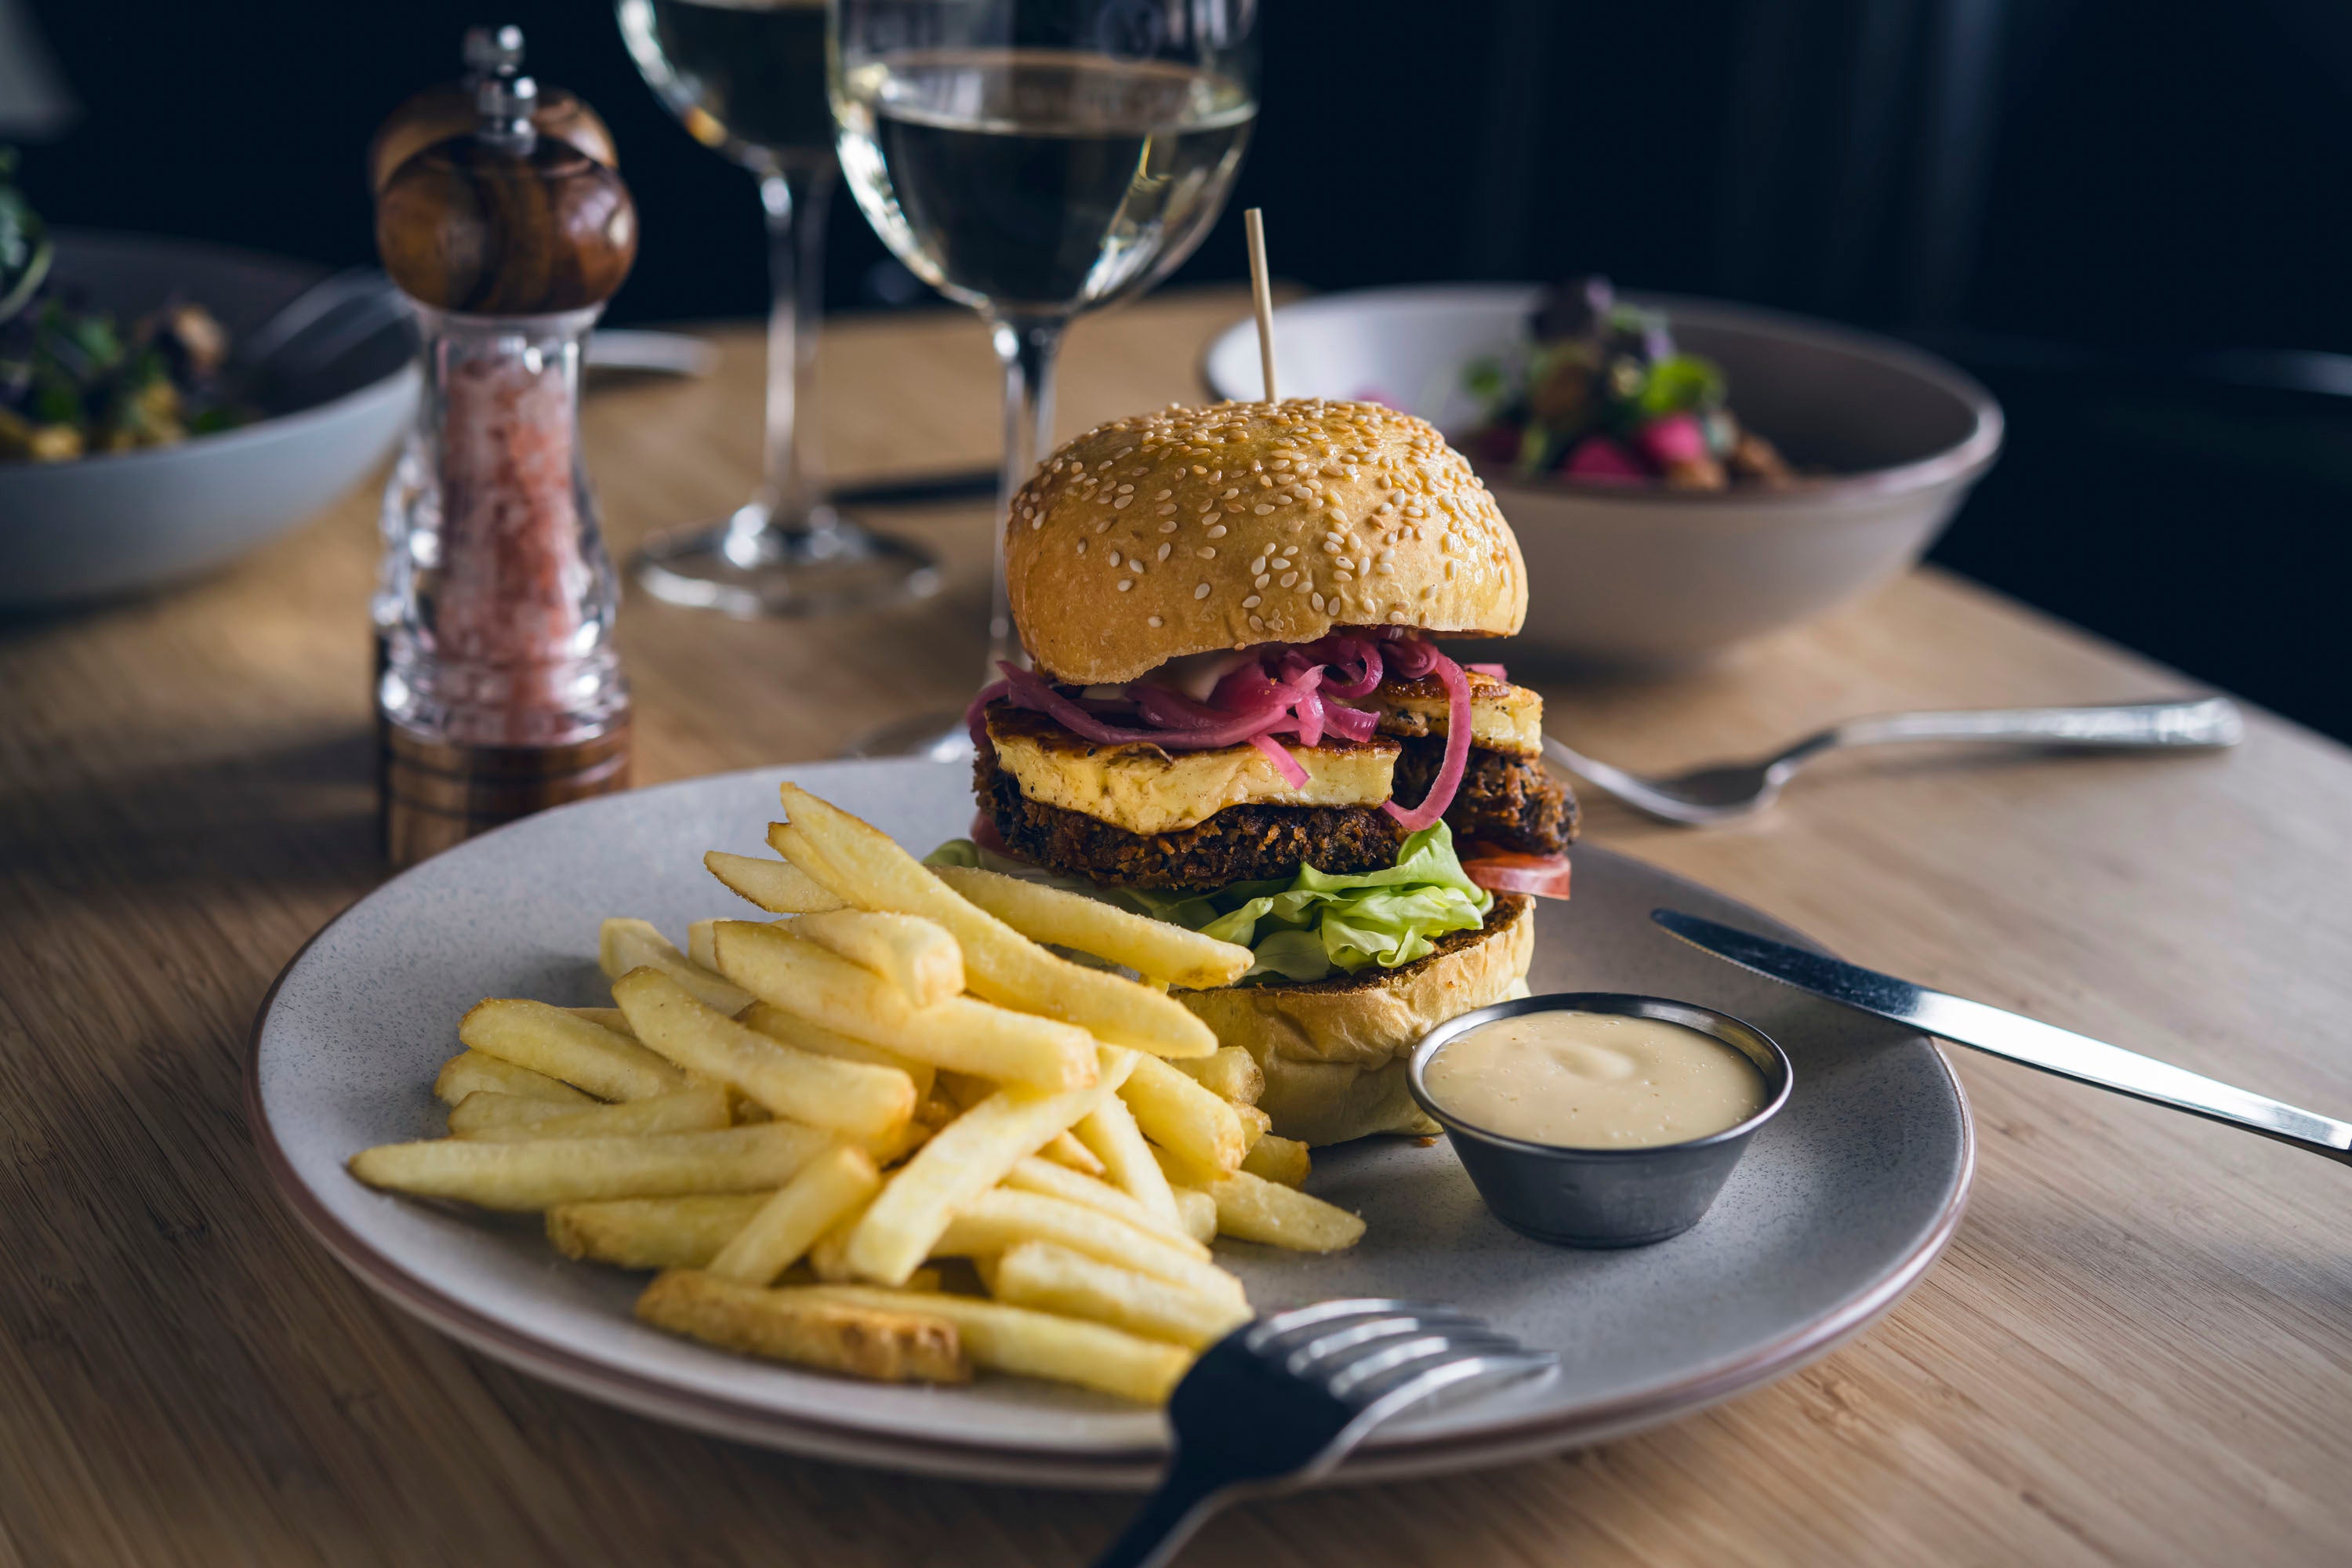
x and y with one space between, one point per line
1840 1205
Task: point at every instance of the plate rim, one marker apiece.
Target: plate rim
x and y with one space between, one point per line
1122 1468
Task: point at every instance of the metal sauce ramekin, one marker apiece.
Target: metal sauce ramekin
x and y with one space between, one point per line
1602 1197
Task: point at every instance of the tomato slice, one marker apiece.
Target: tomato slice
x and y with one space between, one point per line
1514 871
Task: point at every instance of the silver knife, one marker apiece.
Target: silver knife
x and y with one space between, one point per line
2022 1039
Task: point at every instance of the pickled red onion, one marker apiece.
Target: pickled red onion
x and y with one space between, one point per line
975 717
1284 763
1494 670
1457 744
1256 704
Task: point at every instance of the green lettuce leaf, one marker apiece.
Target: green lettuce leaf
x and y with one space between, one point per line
1314 924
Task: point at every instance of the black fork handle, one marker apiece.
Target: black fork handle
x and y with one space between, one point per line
1188 1494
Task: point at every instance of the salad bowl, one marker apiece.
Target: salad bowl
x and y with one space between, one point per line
1892 440
120 522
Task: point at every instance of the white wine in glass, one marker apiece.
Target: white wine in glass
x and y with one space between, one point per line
1033 159
747 79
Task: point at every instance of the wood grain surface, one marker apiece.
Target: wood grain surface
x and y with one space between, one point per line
2139 1348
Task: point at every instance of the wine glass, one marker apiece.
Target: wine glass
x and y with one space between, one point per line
747 78
1033 159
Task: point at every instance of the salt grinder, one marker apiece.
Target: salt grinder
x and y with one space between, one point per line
498 691
449 108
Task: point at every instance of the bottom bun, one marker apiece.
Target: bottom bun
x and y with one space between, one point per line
1334 1051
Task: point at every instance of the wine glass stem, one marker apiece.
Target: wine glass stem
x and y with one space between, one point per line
793 485
1027 346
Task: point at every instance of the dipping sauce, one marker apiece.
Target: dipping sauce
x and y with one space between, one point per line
1594 1080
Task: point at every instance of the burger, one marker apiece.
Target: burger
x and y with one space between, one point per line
1236 721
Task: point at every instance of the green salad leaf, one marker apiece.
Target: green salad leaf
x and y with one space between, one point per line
1312 925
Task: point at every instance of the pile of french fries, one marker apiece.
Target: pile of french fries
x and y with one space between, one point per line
893 1133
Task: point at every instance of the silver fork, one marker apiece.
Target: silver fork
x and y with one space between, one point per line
1278 1403
1723 791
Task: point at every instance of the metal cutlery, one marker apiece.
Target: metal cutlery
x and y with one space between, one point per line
1281 1401
1723 791
2021 1039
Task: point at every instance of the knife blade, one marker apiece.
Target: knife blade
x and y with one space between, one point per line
2000 1033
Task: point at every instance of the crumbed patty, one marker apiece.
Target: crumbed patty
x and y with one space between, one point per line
1504 800
1239 844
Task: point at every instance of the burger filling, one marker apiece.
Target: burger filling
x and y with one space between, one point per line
1302 800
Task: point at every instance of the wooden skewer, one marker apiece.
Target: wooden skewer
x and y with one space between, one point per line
1254 225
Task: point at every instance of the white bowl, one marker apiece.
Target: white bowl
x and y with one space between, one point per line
1644 577
120 522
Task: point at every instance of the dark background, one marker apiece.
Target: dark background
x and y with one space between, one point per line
2130 216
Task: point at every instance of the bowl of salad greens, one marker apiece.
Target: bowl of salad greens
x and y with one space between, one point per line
134 450
1684 476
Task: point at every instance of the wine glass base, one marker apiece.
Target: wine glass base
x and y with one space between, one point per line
750 566
937 736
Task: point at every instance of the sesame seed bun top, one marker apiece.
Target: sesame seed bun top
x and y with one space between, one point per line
1192 530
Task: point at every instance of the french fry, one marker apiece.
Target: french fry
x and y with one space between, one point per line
1231 1074
1000 964
1039 1175
961 1034
626 944
1033 1343
915 954
552 1041
776 886
1253 1209
890 1345
475 1072
701 944
1178 1114
828 1255
856 1098
651 1233
606 1017
1053 1279
1198 1212
1110 1134
794 1030
963 1160
773 1240
511 1119
1256 1124
1003 1219
1065 1150
549 1171
1284 1160
1153 948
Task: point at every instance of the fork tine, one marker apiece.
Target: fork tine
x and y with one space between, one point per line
1370 1362
1397 1387
1313 1358
1284 1323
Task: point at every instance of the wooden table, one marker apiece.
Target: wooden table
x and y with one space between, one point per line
2139 1350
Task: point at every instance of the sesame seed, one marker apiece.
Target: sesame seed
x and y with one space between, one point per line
1126 583
1257 625
1168 527
1163 495
1345 576
1263 578
1103 527
1289 578
1396 618
1252 602
1317 600
1036 523
1202 592
1120 504
1125 489
1262 509
1154 620
1082 547
1230 495
1164 550
1167 508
